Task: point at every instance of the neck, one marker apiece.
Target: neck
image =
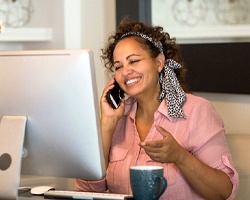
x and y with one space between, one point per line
148 103
147 108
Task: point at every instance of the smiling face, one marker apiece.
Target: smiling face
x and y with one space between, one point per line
135 70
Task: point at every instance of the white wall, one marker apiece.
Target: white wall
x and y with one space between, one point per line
98 21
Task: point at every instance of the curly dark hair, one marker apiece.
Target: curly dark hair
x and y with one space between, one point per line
170 49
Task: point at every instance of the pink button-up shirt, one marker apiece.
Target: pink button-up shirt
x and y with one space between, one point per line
201 133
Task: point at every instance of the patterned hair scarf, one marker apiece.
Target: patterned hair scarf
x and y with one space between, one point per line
170 86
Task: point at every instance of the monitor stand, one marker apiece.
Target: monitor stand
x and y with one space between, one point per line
12 130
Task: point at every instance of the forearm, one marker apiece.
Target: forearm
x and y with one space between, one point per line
107 129
210 183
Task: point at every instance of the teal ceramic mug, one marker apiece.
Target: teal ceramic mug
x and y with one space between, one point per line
147 182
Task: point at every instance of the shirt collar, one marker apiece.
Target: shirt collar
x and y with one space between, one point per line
131 107
163 109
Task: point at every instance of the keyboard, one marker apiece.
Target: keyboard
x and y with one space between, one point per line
85 195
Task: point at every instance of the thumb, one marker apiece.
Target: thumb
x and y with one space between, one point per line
162 131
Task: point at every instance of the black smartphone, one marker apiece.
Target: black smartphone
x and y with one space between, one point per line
115 95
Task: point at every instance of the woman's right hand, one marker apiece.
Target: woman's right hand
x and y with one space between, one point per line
106 110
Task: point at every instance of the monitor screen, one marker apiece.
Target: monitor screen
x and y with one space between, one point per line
56 91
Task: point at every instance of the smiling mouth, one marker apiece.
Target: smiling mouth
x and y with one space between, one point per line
132 81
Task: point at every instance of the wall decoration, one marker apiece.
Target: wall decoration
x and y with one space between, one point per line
16 13
190 12
204 21
232 11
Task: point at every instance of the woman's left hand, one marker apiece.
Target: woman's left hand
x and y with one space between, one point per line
166 150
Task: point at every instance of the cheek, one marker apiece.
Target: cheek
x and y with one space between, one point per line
153 76
118 77
152 71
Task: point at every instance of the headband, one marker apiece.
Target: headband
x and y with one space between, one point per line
158 44
170 86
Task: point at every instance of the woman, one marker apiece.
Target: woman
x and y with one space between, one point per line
160 124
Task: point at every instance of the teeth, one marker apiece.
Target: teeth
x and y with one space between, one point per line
132 81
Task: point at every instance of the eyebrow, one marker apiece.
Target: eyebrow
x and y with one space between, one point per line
127 57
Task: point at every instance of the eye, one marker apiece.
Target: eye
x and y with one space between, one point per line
117 67
134 61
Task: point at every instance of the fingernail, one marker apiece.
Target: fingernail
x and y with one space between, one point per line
143 143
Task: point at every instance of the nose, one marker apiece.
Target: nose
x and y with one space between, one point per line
126 70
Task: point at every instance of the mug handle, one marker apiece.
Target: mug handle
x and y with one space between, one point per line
163 185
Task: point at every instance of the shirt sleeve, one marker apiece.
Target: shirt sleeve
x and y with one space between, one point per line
233 175
208 142
90 186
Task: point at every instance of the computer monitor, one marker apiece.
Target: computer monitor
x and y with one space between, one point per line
56 91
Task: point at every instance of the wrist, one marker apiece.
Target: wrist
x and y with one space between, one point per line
182 156
108 124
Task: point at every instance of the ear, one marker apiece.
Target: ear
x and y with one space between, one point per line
160 61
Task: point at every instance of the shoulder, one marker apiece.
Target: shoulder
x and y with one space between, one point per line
190 98
193 102
200 109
